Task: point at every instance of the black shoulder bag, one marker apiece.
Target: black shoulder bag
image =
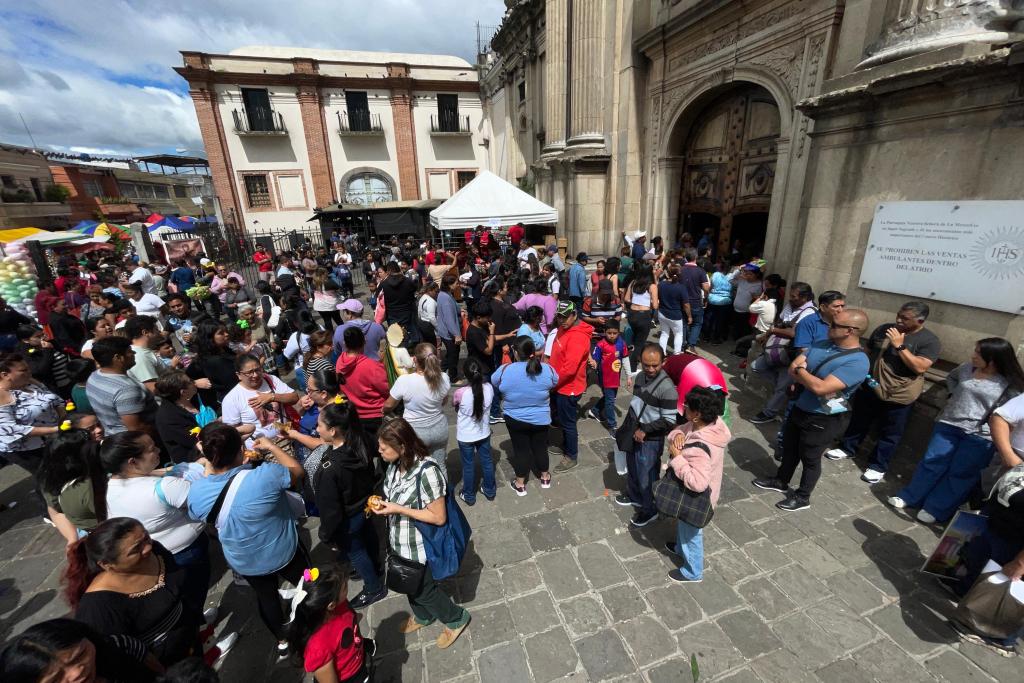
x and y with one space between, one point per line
673 499
795 389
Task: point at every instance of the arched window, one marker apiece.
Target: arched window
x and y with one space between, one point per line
368 188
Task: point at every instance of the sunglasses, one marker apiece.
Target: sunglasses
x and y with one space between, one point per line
835 326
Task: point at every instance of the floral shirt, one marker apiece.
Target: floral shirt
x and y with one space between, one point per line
33 406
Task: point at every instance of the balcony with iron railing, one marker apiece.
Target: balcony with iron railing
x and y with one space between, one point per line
258 122
448 124
359 123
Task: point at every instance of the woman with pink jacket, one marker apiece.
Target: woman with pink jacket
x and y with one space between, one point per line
699 468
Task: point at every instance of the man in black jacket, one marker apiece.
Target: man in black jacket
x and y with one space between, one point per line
399 294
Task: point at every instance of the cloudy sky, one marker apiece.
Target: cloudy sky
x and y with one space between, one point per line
95 75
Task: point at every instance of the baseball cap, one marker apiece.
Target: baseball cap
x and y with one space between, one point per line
352 306
582 256
565 309
552 248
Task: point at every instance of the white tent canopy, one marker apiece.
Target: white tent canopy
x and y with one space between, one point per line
489 200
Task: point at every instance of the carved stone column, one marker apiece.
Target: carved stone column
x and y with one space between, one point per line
586 127
556 19
914 26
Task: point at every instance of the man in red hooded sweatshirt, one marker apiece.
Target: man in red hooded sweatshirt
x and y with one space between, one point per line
569 355
364 380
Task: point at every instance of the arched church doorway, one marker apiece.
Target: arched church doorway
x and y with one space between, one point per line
729 161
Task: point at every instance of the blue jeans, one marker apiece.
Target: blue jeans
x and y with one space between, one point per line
690 546
644 467
948 471
361 547
567 409
891 419
693 329
609 406
482 450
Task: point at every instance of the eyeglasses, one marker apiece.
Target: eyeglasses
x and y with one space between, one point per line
311 390
254 371
835 326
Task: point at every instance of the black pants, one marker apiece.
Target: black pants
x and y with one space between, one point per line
716 322
450 363
331 318
529 446
427 333
30 461
740 324
267 599
640 322
805 437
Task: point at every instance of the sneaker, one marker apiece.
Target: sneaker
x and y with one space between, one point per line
555 452
670 546
770 484
465 499
872 476
678 577
566 465
497 420
762 418
210 616
925 517
640 521
896 502
282 651
520 490
625 501
970 636
490 497
545 483
225 644
365 599
793 503
836 454
410 625
592 415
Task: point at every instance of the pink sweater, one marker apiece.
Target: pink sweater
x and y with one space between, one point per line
692 465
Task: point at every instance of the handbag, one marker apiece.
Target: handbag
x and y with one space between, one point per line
445 544
402 575
673 499
893 388
989 608
624 434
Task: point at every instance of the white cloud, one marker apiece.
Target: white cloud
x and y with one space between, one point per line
98 74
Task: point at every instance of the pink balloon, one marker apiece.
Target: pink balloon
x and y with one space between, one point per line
699 373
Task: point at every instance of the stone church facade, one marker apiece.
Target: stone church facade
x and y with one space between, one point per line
777 124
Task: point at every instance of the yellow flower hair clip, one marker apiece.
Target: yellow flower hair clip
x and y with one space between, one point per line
339 400
65 426
194 431
311 575
69 406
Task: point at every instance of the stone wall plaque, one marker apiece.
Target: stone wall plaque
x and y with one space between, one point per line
969 252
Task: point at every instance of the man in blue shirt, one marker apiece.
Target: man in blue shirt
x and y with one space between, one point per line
827 373
814 328
578 280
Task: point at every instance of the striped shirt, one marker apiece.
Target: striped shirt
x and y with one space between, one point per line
114 395
404 538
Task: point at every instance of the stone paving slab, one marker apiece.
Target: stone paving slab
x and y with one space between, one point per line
561 589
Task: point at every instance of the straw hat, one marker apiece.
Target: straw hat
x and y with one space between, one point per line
395 334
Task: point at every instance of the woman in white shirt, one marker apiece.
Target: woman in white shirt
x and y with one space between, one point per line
159 501
326 299
257 401
424 392
426 309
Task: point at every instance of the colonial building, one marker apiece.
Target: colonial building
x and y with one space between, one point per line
28 198
778 124
288 130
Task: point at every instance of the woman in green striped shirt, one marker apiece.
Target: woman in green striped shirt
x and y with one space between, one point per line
408 460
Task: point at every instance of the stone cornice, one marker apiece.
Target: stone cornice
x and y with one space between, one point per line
197 77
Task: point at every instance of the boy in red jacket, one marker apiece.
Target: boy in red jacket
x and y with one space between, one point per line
569 355
609 355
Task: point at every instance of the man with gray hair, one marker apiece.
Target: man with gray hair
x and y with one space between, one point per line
901 353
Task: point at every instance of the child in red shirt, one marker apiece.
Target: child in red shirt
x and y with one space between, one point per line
608 356
324 630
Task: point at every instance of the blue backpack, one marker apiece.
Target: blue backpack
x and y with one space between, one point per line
445 544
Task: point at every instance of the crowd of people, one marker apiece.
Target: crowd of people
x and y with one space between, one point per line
161 415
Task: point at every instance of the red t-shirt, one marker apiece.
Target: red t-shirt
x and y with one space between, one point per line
515 234
263 261
338 640
610 358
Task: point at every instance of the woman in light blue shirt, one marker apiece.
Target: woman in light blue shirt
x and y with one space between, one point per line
256 522
533 317
526 387
719 311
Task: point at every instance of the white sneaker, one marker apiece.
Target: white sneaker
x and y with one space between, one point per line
836 454
226 643
925 518
896 502
872 476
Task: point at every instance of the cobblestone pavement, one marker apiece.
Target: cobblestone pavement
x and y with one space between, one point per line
560 588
